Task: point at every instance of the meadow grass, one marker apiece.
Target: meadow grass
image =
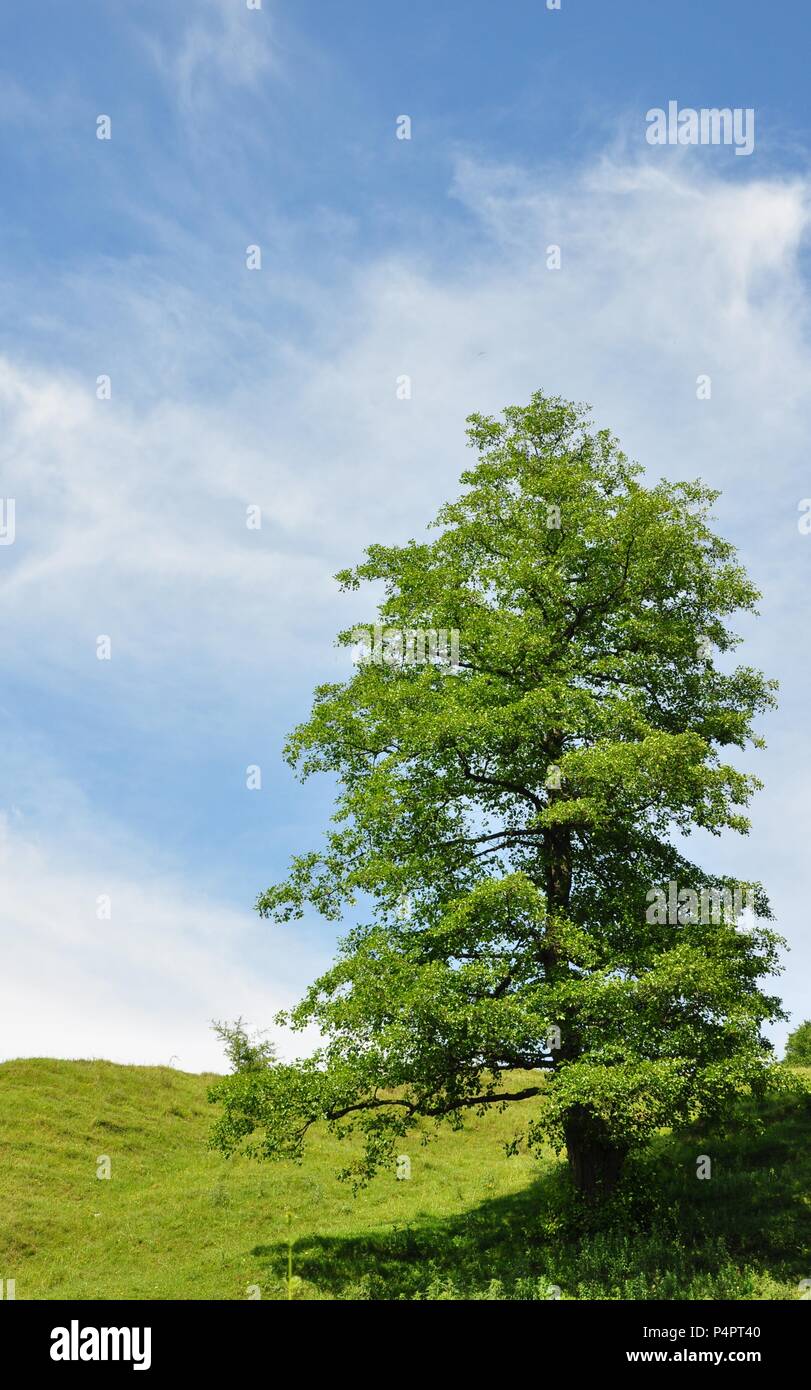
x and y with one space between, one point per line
178 1221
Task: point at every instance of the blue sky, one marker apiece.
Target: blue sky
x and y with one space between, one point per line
233 127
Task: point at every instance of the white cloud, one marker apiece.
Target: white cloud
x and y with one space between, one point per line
223 41
143 986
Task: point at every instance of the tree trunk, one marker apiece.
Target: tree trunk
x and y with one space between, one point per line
595 1163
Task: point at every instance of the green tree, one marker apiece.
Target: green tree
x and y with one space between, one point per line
503 822
798 1046
246 1052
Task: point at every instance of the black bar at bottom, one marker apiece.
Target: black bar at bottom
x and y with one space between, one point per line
154 1339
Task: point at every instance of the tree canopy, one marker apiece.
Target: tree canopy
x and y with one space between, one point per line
504 822
798 1046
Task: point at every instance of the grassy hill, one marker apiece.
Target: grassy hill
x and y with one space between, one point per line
176 1221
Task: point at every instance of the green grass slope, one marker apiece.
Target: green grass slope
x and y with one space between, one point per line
176 1221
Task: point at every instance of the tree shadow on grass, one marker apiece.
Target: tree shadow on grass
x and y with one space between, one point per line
744 1233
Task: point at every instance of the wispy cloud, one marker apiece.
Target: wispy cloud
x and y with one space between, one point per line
116 956
219 41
